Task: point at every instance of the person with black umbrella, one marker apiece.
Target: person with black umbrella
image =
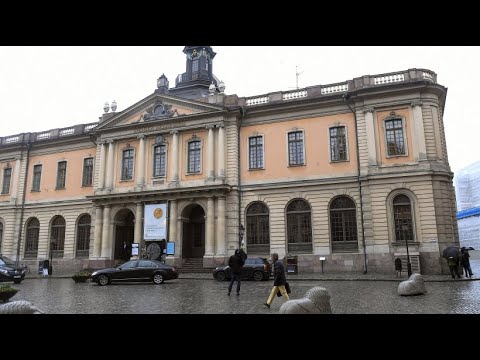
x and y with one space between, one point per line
452 254
466 261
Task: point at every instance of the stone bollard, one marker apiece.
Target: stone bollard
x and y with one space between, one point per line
415 285
316 301
19 307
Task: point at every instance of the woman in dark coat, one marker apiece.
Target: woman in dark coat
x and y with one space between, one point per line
466 262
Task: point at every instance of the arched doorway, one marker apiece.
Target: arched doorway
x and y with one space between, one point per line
193 240
124 228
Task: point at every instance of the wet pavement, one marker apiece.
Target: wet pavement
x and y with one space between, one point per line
208 296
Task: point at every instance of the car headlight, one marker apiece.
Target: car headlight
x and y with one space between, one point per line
3 271
94 273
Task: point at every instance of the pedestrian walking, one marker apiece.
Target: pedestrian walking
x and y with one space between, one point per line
236 263
279 280
398 266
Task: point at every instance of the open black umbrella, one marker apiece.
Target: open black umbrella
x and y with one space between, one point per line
467 248
451 251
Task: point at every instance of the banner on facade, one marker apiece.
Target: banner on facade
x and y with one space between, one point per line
155 225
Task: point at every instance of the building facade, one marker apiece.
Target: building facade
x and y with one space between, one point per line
467 188
355 173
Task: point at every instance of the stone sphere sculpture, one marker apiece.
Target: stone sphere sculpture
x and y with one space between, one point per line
415 285
316 301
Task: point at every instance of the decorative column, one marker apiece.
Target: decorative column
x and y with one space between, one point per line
179 239
110 163
101 166
15 183
141 162
210 154
106 233
418 133
370 132
209 248
175 156
97 240
220 248
137 237
221 152
172 221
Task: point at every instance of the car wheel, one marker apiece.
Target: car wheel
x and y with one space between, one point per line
17 281
103 280
258 276
220 276
158 278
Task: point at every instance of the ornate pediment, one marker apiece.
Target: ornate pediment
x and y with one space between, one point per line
159 110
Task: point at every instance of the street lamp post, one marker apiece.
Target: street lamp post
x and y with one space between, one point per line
50 265
409 265
241 233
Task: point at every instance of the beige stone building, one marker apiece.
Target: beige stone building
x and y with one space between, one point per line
349 172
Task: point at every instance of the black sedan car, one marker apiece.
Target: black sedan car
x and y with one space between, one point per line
10 272
257 269
136 270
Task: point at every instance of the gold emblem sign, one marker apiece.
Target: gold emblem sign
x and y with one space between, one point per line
158 213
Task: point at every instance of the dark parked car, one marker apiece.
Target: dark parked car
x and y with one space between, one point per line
10 272
136 270
257 269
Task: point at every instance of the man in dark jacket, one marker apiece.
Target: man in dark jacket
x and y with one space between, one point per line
236 263
279 281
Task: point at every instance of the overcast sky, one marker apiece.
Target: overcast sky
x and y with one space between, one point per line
43 88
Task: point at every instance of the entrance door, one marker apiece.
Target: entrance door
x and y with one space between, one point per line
124 234
193 239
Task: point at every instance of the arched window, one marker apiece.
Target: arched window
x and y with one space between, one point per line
57 236
343 225
299 227
402 215
1 236
31 238
83 236
258 229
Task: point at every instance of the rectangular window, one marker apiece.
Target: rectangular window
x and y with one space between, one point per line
195 66
37 175
159 157
87 172
61 174
7 175
255 152
295 148
338 144
194 156
127 165
395 139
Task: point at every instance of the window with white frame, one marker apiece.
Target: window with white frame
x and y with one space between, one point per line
403 219
87 172
7 176
61 174
338 144
127 164
255 152
83 235
395 137
295 148
194 156
37 175
159 160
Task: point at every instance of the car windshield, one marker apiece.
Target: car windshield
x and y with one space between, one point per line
5 261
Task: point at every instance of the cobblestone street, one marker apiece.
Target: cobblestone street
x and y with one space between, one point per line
188 296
